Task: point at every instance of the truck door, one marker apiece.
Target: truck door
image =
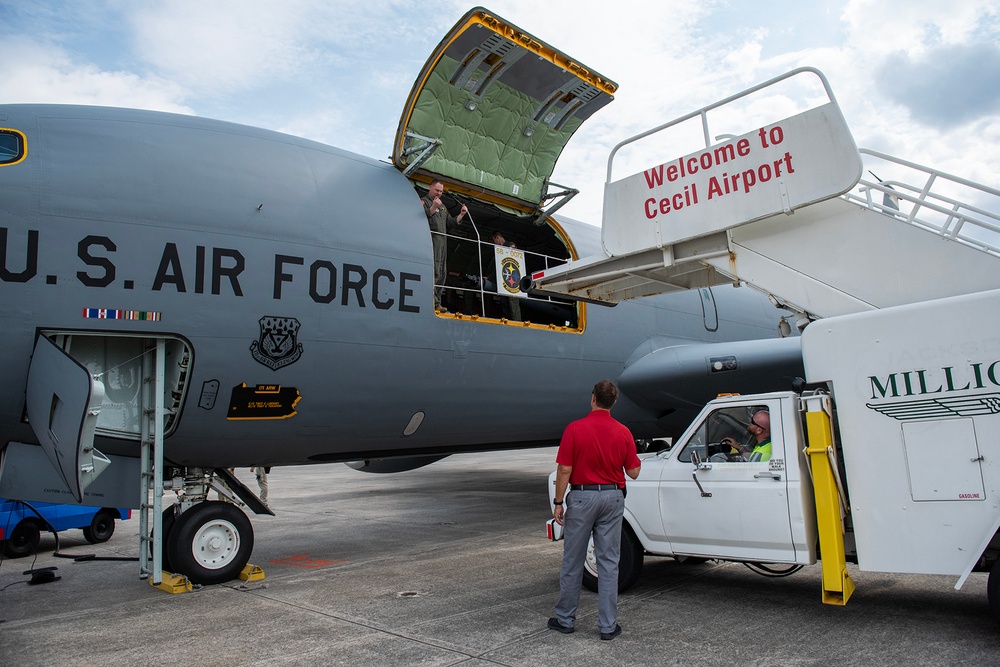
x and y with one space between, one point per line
718 503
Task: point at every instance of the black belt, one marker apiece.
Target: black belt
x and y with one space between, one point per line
594 487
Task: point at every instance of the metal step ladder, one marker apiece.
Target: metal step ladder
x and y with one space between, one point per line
151 465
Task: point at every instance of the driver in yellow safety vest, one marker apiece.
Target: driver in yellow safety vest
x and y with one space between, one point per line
760 428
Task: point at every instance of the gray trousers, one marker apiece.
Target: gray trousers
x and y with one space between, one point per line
440 243
261 483
597 513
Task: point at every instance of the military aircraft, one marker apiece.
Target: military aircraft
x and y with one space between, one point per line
181 296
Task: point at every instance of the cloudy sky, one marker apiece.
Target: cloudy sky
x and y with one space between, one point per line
919 79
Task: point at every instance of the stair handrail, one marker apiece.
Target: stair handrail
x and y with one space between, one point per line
956 213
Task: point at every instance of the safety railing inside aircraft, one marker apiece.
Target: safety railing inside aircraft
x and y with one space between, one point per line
483 283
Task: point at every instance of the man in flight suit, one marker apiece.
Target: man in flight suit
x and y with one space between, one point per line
440 221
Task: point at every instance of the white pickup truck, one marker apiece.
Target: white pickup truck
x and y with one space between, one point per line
896 469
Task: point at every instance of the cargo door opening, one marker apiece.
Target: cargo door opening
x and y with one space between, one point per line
484 258
115 361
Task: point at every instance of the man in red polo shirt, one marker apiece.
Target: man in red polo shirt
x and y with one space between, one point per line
594 456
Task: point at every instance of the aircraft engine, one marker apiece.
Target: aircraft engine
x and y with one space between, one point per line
694 374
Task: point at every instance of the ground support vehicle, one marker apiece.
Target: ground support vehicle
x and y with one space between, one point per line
893 463
21 527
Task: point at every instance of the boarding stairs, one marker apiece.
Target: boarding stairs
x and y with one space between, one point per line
917 235
883 244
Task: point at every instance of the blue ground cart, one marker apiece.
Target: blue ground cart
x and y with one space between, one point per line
21 528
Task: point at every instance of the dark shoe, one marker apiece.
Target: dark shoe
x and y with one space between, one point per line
554 624
608 636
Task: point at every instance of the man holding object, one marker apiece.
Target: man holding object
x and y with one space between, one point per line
594 456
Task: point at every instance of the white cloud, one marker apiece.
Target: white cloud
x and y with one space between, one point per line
215 48
221 47
848 44
878 27
37 72
339 71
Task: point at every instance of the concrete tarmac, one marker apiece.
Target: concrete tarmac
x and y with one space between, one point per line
449 565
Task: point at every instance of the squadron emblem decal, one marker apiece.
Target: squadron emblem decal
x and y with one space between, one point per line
277 346
511 269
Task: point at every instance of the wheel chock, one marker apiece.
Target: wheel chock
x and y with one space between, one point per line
172 583
251 572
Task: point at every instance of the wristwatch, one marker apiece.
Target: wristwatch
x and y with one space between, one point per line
557 502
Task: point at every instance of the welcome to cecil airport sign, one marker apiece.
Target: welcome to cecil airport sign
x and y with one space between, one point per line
777 168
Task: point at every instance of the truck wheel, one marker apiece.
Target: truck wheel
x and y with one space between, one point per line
993 589
23 540
629 565
102 527
210 543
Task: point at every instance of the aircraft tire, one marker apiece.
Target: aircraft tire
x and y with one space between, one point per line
102 527
210 543
629 565
168 524
993 590
23 540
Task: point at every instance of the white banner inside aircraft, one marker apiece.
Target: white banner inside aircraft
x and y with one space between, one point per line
510 269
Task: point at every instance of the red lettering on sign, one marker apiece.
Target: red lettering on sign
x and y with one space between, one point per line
654 177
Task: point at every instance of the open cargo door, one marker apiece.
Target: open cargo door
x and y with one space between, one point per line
493 108
63 404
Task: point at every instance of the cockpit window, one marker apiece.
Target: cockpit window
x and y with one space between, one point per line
13 146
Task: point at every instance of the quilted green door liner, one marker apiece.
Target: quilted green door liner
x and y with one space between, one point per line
501 103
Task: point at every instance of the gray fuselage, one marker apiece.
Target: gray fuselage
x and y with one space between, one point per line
219 229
